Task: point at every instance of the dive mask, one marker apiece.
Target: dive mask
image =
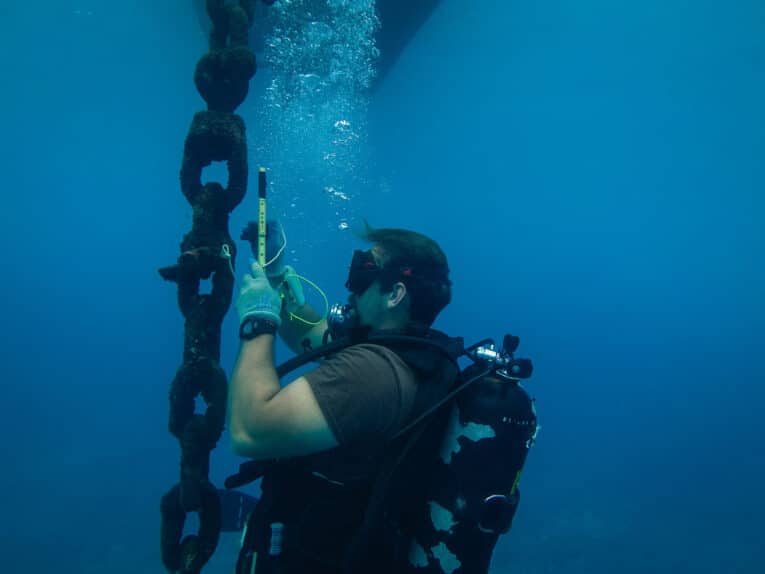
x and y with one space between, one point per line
362 272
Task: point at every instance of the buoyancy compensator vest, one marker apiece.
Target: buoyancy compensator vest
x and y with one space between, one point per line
435 499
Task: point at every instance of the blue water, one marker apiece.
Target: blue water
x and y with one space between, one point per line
594 171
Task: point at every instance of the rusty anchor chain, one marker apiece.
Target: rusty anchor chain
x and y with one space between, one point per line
222 78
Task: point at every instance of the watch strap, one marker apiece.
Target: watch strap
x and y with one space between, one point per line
253 327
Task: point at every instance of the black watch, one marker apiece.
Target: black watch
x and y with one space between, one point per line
252 327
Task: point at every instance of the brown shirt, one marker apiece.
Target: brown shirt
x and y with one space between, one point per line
365 392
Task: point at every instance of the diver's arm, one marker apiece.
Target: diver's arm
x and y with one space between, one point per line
253 382
268 421
293 331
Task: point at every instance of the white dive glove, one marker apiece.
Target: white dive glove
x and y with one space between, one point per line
276 243
257 298
282 277
291 288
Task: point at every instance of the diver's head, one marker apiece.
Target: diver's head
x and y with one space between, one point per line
378 303
402 280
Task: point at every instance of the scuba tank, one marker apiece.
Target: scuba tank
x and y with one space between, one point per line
455 491
471 494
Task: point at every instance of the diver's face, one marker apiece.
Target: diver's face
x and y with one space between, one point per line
370 306
366 296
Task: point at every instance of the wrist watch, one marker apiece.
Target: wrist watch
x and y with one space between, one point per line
251 327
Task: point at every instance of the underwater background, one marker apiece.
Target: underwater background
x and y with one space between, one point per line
594 171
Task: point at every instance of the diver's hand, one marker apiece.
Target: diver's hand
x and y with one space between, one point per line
291 288
276 241
257 298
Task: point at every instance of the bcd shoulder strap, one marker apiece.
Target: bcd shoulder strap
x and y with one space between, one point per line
387 493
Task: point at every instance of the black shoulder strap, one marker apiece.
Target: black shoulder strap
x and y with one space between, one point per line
359 549
373 516
399 448
451 348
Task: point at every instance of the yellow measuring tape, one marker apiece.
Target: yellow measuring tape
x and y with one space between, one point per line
262 216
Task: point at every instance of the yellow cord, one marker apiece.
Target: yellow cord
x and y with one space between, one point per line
515 483
294 317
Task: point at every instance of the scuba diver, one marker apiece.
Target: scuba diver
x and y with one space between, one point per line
386 457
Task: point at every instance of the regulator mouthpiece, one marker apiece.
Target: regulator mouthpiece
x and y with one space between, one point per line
341 319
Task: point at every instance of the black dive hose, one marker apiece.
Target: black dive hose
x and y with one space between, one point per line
334 346
329 348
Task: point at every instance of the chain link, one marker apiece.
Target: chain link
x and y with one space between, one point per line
222 78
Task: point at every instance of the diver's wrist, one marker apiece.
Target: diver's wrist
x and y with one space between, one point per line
253 327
